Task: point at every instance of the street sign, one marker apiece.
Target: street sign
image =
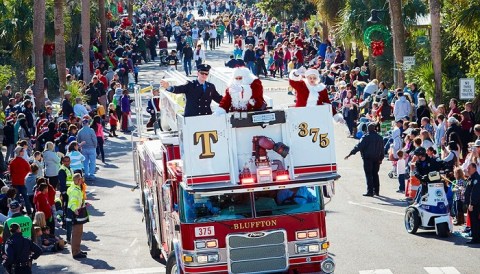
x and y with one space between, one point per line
408 62
467 88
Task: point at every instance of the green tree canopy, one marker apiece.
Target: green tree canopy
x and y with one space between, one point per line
287 9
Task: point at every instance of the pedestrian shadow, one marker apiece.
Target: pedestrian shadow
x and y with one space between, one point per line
454 239
109 165
107 183
391 202
92 211
97 264
90 236
50 268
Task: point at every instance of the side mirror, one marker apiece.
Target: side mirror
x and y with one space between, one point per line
328 190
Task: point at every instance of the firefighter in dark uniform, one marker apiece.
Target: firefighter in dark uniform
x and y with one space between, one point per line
198 93
20 252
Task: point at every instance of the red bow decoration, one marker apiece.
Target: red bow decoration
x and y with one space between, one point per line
126 23
48 49
378 47
120 7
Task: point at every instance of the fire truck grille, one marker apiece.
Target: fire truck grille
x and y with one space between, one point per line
257 252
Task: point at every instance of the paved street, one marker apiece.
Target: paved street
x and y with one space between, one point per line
367 235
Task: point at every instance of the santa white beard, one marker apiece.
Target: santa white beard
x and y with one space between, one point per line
313 93
241 95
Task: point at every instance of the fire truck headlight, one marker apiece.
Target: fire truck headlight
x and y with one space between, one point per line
187 258
301 235
212 243
302 248
313 248
202 259
213 258
207 258
200 244
308 248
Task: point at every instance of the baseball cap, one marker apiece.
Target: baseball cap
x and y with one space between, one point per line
14 204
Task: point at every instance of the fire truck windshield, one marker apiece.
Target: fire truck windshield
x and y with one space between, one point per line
288 201
233 206
203 208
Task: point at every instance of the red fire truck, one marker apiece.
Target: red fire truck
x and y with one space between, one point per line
239 193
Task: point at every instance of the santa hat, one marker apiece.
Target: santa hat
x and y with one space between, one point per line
244 72
312 72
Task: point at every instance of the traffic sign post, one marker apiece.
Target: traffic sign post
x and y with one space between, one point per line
408 62
467 88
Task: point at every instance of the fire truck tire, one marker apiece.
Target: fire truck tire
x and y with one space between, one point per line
154 250
172 266
152 242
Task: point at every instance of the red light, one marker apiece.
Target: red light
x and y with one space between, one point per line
283 177
247 181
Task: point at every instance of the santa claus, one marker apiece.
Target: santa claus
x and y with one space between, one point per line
244 93
309 90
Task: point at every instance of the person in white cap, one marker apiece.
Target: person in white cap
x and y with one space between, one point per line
310 91
244 93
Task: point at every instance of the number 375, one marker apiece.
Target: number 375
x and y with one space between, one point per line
322 138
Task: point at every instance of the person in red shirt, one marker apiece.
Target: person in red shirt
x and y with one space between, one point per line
453 107
42 204
19 169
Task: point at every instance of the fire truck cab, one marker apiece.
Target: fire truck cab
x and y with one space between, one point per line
240 193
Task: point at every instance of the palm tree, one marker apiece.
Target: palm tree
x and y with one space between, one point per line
436 48
329 12
60 55
103 26
38 42
398 34
130 9
86 39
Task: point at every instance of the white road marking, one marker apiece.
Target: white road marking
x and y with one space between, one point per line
376 208
133 242
156 270
441 270
376 271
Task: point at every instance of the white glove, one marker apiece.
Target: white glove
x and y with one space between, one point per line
219 111
235 89
251 102
338 118
301 70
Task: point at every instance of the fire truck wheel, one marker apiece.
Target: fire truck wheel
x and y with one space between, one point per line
152 242
172 266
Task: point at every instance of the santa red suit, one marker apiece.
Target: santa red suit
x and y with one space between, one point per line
308 95
242 95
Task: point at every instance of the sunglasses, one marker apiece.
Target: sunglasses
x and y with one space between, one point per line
238 78
204 73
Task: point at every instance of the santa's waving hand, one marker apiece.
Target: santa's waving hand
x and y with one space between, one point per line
310 91
244 93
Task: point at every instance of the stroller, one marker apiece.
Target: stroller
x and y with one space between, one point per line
163 57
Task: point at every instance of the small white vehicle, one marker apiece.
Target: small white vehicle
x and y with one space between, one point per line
431 210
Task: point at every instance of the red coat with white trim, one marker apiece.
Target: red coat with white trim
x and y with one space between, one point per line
302 93
254 102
